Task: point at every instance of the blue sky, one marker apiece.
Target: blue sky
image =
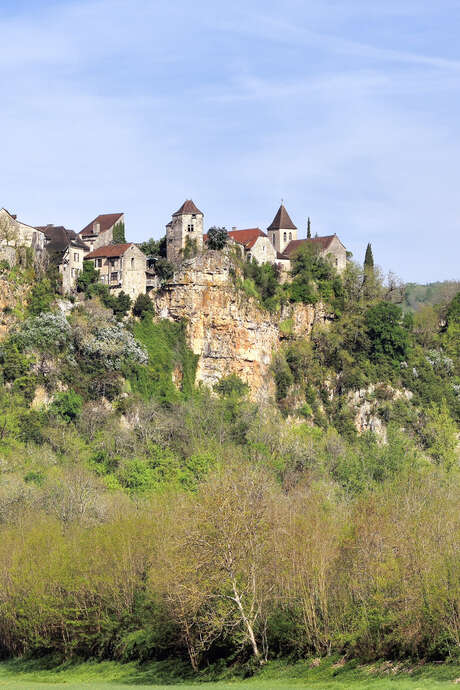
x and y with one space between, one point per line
347 109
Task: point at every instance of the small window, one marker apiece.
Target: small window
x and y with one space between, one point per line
190 227
285 237
274 240
336 262
290 236
99 263
114 277
76 257
132 262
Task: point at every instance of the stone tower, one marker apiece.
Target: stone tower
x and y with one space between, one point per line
282 230
185 229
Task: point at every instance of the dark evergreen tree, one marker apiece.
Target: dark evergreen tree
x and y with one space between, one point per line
119 233
308 229
369 259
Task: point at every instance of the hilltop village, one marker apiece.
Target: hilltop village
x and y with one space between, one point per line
123 267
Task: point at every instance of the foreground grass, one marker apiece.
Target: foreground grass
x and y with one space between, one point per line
327 674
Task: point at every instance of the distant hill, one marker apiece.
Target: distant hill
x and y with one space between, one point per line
417 295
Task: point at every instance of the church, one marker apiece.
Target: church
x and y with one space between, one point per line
277 246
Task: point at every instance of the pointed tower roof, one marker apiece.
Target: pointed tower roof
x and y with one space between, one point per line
282 221
187 207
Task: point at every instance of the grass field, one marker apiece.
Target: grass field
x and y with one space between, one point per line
327 675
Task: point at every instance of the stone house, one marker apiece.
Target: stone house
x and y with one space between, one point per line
122 267
99 232
329 247
15 235
185 228
256 245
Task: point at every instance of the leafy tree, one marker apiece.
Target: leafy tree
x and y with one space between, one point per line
217 238
164 269
142 306
154 247
88 277
119 233
388 339
14 363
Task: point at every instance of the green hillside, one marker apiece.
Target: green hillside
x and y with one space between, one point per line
146 519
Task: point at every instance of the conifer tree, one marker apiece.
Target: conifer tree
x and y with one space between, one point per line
369 259
308 229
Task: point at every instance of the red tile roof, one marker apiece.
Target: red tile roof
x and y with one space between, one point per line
187 207
105 220
293 246
282 221
247 237
110 250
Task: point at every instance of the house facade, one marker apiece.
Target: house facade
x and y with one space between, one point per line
16 235
255 243
99 233
122 267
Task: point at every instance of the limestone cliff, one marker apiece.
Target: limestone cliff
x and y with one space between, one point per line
226 328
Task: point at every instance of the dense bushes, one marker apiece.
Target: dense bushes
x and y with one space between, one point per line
240 568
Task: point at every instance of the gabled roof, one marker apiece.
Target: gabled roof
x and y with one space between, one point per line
321 242
247 237
187 207
14 217
282 221
111 250
105 220
58 238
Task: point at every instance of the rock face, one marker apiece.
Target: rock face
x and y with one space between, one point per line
226 328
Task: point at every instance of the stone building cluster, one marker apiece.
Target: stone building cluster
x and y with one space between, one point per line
277 246
124 267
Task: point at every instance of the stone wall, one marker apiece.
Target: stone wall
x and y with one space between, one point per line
227 329
263 251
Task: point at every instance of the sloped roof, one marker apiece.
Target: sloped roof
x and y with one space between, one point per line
110 250
282 221
14 217
247 237
105 220
187 207
322 242
58 237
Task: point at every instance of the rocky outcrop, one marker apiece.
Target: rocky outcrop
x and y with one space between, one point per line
12 296
226 328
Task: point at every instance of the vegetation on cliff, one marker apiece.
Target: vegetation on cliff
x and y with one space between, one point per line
143 517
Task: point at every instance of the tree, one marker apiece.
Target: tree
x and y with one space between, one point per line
119 233
41 297
217 238
142 306
388 339
88 276
154 247
369 259
308 229
216 563
164 269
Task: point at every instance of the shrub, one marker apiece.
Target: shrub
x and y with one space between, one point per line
143 305
41 297
231 386
67 405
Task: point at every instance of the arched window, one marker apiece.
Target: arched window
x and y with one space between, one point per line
285 237
132 262
274 240
290 236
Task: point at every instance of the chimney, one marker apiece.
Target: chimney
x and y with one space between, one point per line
234 228
96 228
